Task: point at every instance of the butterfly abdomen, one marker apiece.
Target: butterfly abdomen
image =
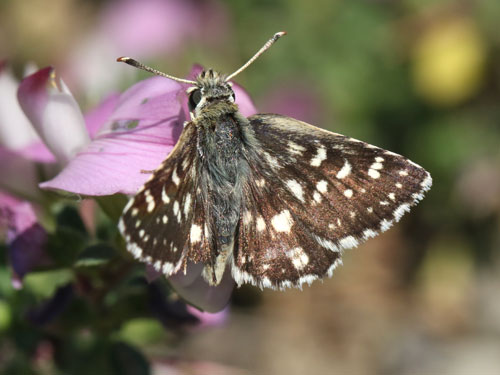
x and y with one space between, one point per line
221 171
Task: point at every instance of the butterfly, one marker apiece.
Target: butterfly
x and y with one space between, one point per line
271 199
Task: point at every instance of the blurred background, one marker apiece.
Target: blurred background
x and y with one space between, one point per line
420 78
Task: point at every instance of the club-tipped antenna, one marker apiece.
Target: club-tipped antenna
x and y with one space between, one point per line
264 48
137 64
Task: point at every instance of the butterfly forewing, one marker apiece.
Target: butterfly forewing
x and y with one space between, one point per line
165 221
312 194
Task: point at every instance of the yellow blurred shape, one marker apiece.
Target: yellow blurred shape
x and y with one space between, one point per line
445 284
141 331
448 62
5 316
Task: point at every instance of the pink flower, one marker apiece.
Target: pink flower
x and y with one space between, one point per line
135 136
22 154
54 114
25 237
209 319
144 29
11 115
45 111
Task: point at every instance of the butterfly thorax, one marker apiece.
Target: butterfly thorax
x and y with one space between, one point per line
222 168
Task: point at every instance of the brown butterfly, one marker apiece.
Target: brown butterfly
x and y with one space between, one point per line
271 199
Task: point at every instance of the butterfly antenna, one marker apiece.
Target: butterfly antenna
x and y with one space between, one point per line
264 48
137 64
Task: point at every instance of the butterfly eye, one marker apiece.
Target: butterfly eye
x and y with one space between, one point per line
194 99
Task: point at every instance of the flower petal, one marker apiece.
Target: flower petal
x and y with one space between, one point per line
209 319
142 130
16 131
20 175
26 238
137 137
97 117
194 289
54 113
245 103
158 25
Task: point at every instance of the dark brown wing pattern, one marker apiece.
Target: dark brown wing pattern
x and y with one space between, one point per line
312 194
165 222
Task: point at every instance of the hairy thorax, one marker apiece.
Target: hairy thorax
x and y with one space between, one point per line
222 171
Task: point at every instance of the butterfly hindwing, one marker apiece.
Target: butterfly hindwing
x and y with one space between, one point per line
312 194
165 221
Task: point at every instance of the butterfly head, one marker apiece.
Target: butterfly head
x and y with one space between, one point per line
210 86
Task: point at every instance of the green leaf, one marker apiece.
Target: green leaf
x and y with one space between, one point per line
112 205
126 360
70 218
64 246
43 284
142 331
5 316
95 255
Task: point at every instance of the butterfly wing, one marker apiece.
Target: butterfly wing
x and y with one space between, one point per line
164 223
311 194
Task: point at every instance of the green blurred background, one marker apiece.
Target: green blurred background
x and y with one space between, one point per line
420 78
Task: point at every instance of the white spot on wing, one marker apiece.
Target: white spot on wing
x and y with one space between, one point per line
299 258
260 183
175 178
282 222
405 207
294 148
373 173
296 189
317 197
320 156
385 224
168 268
247 217
344 171
348 193
261 224
348 242
157 265
271 160
322 186
164 196
327 244
151 206
195 234
187 204
427 183
129 204
368 233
